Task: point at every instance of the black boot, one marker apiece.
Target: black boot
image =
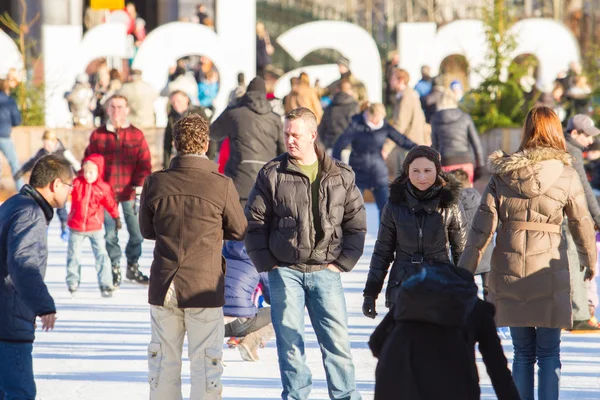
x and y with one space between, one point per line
116 273
134 274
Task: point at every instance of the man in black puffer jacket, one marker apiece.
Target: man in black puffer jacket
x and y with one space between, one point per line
306 224
256 137
338 115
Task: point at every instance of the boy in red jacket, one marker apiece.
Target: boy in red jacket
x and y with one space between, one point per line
90 196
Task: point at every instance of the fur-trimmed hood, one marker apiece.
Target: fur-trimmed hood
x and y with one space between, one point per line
448 196
529 172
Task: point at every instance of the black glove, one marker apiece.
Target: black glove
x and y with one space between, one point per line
477 173
118 224
589 274
368 307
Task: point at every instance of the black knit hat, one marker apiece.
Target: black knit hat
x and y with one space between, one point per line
425 152
257 85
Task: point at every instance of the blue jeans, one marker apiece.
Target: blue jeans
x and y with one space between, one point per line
16 371
10 152
133 250
103 269
542 344
322 294
381 194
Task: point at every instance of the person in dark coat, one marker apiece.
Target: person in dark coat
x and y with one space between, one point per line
24 219
338 115
426 344
242 317
255 133
180 107
9 118
367 135
454 135
470 199
422 223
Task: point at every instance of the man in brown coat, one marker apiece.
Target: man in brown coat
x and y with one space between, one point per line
188 209
408 119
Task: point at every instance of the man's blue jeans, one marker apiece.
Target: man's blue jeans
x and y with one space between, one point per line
323 295
16 371
542 344
133 250
10 152
76 239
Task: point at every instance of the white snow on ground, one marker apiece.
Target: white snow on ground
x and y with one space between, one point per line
98 348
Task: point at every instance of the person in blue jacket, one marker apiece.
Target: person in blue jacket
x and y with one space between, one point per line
9 117
366 134
23 258
242 317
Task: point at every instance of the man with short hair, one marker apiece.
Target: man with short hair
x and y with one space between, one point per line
24 296
579 135
188 209
307 223
127 163
180 107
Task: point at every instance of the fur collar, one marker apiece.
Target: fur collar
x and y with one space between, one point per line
449 194
501 163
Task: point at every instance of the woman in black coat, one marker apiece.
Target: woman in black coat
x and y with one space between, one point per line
426 344
422 223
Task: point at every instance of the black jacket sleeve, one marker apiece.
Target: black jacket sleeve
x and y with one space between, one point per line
354 228
400 140
589 192
28 166
475 143
146 216
259 211
219 130
457 232
491 350
234 222
383 253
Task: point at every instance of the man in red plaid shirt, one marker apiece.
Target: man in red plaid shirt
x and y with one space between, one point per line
127 164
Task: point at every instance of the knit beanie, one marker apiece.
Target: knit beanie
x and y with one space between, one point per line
425 152
257 85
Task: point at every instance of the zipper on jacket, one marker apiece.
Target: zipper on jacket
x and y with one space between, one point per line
86 202
419 257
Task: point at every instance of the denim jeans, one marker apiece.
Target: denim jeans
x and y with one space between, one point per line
381 194
16 371
542 344
322 294
133 250
10 152
103 269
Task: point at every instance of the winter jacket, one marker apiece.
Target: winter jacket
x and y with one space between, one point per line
337 118
280 217
576 151
241 280
469 201
430 336
366 159
60 151
409 118
9 115
189 209
525 199
454 135
207 91
89 200
438 217
304 97
256 136
127 158
423 87
23 258
140 98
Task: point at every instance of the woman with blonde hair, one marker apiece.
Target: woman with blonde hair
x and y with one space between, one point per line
526 198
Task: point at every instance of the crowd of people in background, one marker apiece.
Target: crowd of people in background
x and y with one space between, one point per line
289 206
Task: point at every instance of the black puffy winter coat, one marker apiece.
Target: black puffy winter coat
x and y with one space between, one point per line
415 232
454 135
337 117
281 230
256 137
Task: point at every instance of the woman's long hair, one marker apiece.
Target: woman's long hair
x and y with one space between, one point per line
542 129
